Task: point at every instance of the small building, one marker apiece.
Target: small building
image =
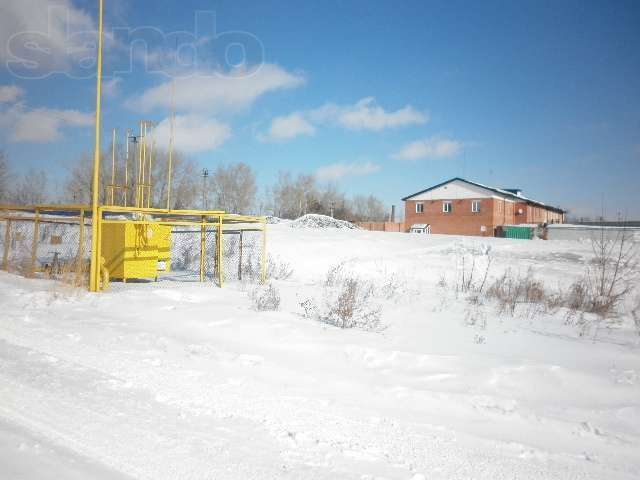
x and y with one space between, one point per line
462 207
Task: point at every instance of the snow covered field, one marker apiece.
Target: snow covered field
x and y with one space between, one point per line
187 381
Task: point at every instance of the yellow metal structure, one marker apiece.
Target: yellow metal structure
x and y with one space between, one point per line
162 238
129 250
132 243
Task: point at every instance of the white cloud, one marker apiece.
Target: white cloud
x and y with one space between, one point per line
337 171
192 133
365 114
215 92
44 35
433 147
288 127
368 115
40 124
111 87
10 93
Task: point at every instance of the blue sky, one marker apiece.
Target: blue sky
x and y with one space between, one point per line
380 97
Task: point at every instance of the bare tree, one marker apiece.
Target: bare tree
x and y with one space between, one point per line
293 198
77 187
234 188
368 209
184 183
31 188
4 178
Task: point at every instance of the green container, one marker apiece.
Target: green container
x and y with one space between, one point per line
524 233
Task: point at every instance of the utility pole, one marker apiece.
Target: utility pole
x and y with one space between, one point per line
205 175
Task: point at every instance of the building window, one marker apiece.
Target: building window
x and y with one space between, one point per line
475 206
446 207
419 207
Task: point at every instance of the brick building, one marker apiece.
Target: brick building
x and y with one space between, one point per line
461 207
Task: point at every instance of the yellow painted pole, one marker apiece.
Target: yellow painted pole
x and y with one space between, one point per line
144 165
100 259
219 253
113 170
171 134
80 260
126 170
263 260
151 151
203 251
139 167
95 257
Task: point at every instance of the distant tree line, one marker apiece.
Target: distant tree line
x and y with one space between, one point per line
232 188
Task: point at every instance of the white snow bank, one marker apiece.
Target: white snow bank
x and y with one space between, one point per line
313 220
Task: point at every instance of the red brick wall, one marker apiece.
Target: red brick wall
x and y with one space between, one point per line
534 214
461 220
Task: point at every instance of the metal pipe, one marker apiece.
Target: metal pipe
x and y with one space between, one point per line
112 191
95 266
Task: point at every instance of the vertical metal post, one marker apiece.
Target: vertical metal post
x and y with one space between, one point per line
7 245
95 258
151 150
112 189
99 247
202 249
34 245
144 161
80 259
240 258
139 167
263 262
219 253
125 188
171 134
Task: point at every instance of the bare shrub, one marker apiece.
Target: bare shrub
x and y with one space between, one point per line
347 302
277 268
511 290
265 298
474 313
610 276
473 269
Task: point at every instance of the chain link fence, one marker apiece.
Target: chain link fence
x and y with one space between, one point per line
54 244
39 243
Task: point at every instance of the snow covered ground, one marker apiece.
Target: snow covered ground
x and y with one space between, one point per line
186 381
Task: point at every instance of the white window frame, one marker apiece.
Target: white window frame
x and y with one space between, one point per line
421 205
475 206
444 206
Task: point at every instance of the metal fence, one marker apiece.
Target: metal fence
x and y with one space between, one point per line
135 245
46 242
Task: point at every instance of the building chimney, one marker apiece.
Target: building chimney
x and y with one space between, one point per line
393 214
